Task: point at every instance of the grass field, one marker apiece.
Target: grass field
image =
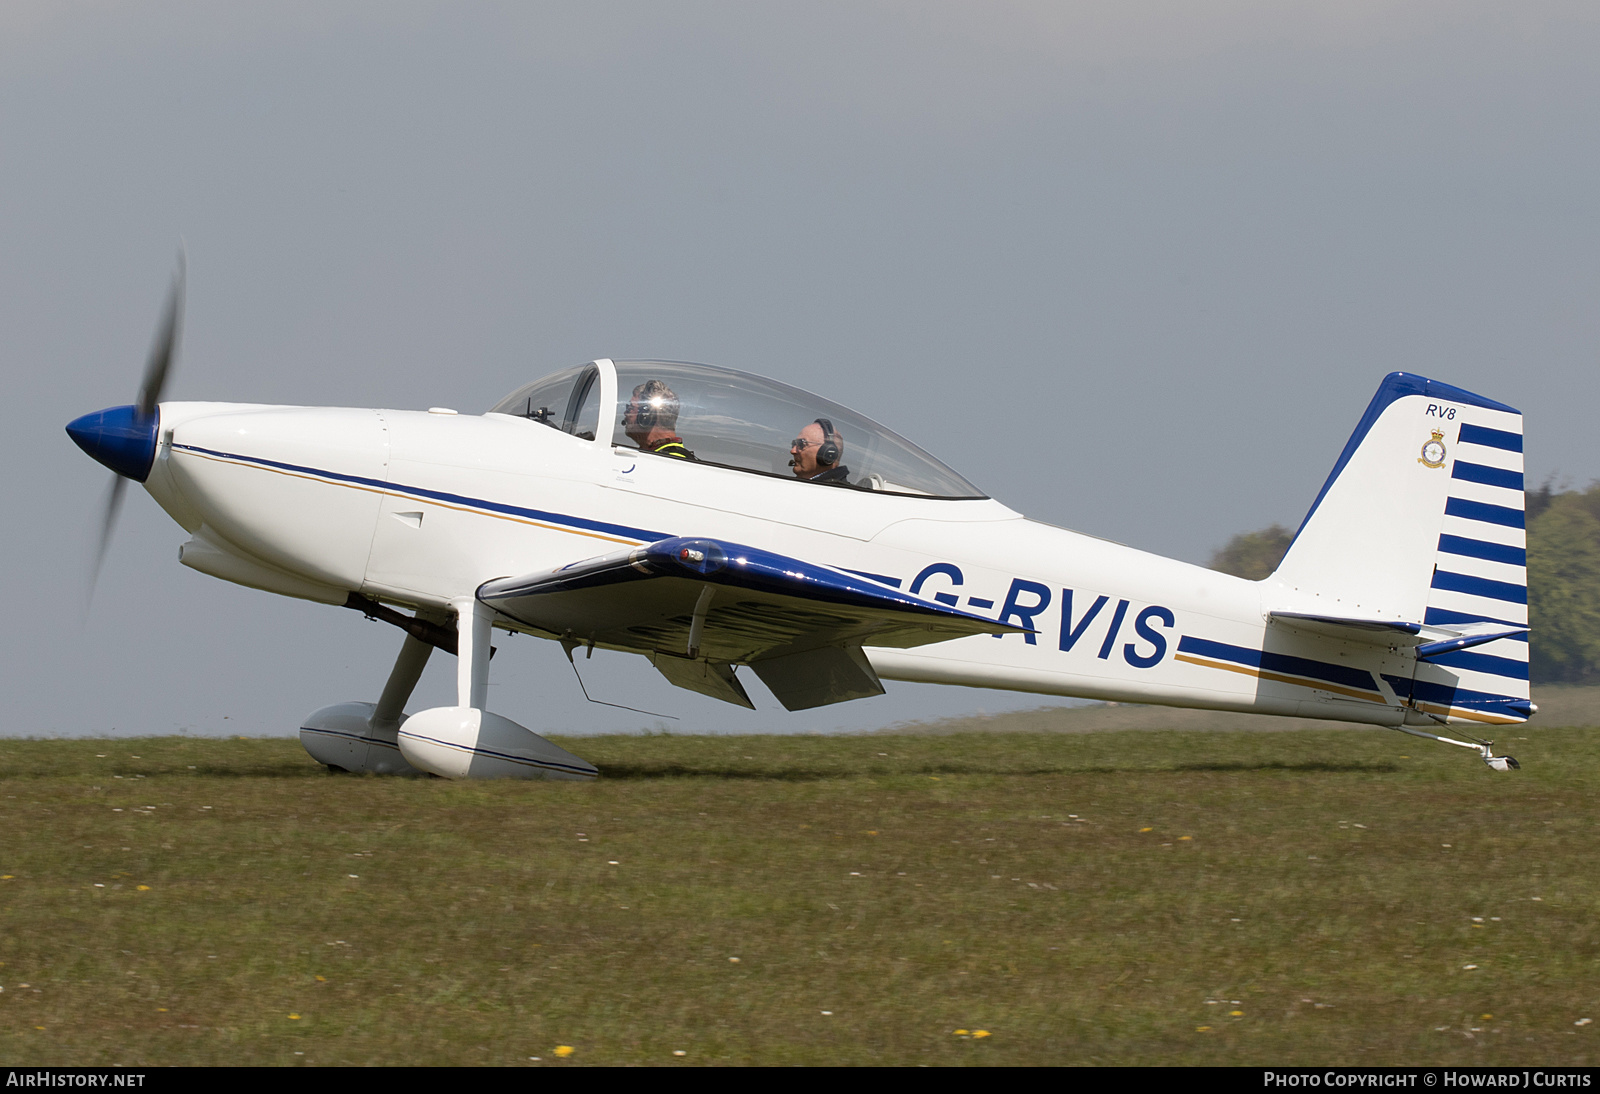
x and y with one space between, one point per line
1333 897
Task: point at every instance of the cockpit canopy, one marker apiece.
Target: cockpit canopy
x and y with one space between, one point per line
733 419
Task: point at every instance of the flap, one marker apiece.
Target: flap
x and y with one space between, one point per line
816 678
707 677
723 602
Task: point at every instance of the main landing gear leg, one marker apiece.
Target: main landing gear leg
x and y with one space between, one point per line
360 737
408 667
466 741
473 621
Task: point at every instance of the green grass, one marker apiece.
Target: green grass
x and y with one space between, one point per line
1139 897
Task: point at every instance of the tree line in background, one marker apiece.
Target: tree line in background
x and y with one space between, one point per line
1563 579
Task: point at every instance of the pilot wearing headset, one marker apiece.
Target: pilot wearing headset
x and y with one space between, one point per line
650 418
817 454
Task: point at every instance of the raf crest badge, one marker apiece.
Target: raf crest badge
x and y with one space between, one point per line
1433 451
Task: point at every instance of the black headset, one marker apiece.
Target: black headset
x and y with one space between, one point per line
828 451
644 413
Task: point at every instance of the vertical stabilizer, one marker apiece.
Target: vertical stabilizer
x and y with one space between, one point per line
1422 521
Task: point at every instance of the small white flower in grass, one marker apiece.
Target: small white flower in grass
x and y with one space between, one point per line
733 960
1469 966
1583 1021
613 862
679 1052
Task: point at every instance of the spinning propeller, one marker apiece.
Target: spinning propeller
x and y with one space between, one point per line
124 437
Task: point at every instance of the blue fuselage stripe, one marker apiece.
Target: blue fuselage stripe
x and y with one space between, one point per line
1451 696
623 530
1478 548
1488 476
1278 662
1489 514
1480 586
1490 438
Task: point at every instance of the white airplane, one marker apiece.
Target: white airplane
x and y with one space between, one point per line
662 508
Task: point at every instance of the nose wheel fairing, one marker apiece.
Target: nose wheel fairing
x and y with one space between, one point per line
346 737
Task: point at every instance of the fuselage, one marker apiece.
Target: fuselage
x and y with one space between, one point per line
421 508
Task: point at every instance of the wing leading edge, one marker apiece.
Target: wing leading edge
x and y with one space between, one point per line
698 607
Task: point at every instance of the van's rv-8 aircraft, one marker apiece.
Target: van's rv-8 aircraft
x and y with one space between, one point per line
564 513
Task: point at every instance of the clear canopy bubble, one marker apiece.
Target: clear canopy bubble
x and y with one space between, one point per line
734 419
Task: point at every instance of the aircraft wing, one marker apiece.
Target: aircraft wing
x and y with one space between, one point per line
697 607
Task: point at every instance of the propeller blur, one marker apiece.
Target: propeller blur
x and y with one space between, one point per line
123 438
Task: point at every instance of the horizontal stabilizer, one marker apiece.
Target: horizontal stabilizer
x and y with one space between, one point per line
1378 632
1429 650
723 603
1429 641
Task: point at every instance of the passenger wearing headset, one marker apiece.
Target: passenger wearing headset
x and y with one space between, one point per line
817 453
650 418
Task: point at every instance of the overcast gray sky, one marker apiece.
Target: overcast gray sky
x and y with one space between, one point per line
1133 268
